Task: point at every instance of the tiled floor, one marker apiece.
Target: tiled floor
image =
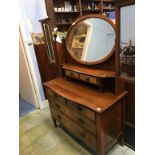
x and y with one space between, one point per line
39 137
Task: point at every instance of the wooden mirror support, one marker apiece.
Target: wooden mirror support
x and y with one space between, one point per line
99 73
126 81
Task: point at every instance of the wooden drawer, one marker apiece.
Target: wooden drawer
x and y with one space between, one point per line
50 93
53 97
81 120
89 79
75 129
71 74
81 110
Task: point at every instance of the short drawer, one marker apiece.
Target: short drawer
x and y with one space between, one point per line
55 98
75 129
71 74
80 119
49 92
89 79
81 110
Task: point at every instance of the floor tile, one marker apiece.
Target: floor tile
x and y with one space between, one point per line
38 136
129 152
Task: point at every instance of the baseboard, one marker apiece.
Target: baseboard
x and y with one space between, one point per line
44 104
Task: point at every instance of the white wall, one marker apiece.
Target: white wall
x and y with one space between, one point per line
33 10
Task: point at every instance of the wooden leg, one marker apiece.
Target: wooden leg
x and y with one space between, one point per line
122 137
100 135
55 123
122 140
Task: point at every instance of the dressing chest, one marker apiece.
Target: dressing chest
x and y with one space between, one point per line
83 99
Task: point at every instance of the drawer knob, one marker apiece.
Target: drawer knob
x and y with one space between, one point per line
79 108
59 117
55 95
82 134
71 73
57 105
80 120
87 79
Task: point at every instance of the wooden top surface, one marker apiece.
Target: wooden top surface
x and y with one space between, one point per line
90 98
93 72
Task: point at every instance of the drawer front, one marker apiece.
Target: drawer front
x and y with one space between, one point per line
81 120
71 74
53 97
75 129
51 93
81 110
89 79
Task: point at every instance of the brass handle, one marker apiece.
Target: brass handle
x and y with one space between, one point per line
87 79
55 95
82 135
59 117
80 120
57 105
79 108
71 73
66 102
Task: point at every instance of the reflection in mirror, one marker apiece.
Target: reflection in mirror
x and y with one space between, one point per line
48 41
91 40
127 41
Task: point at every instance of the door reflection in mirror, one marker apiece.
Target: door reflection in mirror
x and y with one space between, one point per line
91 40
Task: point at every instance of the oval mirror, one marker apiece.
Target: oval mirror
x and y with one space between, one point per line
91 39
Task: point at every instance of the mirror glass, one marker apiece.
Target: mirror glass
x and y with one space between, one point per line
91 40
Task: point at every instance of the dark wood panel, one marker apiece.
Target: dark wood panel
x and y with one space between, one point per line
47 70
110 127
129 136
112 123
130 104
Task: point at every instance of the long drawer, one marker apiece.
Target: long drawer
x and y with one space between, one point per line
76 107
81 110
75 129
80 119
71 74
89 79
55 97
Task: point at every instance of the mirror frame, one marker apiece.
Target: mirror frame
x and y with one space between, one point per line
87 17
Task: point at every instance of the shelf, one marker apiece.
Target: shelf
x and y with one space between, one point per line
110 9
58 24
89 71
108 1
87 10
89 1
67 12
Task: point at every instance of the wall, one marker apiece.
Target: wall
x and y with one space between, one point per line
33 10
